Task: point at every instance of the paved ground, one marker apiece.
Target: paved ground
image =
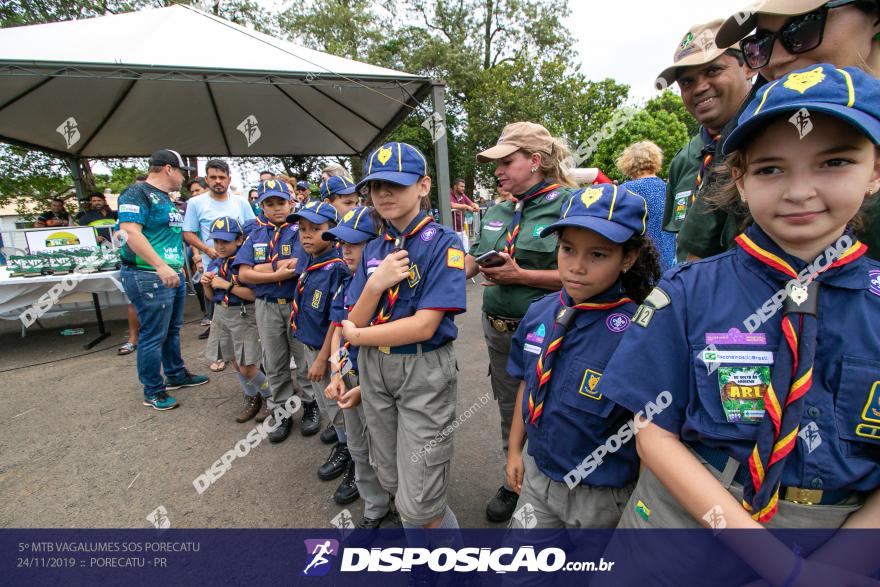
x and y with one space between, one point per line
77 448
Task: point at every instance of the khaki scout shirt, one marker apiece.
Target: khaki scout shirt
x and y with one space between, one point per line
532 251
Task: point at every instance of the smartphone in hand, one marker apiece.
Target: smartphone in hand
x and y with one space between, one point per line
490 259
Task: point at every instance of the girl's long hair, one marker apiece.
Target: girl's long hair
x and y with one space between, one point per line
645 272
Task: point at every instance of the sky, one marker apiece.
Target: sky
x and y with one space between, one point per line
632 41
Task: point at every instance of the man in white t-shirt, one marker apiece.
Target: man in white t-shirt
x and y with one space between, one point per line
204 209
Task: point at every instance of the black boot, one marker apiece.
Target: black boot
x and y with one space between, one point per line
328 436
336 463
347 491
311 419
501 508
282 431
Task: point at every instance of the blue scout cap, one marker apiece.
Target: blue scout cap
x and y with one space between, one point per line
225 228
316 213
614 212
356 227
848 94
303 185
272 188
337 186
398 163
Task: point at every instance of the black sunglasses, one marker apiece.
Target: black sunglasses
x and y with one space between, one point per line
799 34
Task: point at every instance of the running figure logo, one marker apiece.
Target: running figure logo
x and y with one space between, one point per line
69 129
318 552
250 128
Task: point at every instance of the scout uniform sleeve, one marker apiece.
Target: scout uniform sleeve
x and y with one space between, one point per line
516 363
653 359
444 287
245 254
214 265
133 206
700 233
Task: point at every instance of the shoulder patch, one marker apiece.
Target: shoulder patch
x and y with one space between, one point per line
130 208
658 299
455 258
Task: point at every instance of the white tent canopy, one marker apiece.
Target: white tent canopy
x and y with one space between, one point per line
125 85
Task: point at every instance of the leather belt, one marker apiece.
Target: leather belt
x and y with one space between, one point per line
410 349
718 460
502 324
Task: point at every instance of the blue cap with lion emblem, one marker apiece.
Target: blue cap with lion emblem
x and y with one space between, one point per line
316 213
356 227
398 163
337 186
272 188
225 228
846 93
612 211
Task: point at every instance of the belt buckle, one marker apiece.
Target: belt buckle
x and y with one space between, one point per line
282 300
499 325
385 349
803 496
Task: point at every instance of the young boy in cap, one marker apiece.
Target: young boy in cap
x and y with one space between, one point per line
234 327
267 260
321 275
338 191
353 233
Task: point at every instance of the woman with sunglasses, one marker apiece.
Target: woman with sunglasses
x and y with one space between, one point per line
793 34
787 35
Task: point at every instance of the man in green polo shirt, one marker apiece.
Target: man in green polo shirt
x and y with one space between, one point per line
152 264
714 83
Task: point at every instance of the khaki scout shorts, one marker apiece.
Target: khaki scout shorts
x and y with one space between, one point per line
409 404
545 503
233 336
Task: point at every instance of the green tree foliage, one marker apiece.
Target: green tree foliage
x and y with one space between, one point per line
659 121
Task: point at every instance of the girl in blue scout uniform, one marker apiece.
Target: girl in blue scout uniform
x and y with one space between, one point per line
322 272
352 234
768 424
234 319
607 266
409 285
267 260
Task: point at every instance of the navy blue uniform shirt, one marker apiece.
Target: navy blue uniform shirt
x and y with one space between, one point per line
339 312
231 272
256 250
576 419
702 303
319 285
436 275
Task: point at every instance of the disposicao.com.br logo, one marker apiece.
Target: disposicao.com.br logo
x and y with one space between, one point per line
442 560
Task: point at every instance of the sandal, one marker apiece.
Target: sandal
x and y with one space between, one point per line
126 349
218 366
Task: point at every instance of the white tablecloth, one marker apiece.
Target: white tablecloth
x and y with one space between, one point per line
18 293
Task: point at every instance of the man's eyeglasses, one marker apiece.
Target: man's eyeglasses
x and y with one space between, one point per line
799 34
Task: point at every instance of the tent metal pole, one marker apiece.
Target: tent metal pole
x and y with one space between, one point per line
441 151
76 173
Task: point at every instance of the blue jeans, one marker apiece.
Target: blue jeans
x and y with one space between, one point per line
160 313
